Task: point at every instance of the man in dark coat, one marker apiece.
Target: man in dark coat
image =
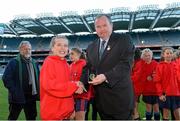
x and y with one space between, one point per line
110 58
21 78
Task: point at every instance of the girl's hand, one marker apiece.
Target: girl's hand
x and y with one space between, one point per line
162 98
149 78
80 88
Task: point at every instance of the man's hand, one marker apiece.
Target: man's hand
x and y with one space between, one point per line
98 79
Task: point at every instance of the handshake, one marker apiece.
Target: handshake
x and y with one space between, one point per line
81 88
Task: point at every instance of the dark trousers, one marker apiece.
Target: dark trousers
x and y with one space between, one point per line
121 116
29 110
94 110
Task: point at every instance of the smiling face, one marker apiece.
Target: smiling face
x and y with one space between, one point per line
74 56
60 47
168 55
147 57
103 27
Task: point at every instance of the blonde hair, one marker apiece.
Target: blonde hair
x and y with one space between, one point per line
53 40
147 50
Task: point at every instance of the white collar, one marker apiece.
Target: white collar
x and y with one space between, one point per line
104 40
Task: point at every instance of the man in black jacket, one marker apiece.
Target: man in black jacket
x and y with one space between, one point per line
111 58
21 78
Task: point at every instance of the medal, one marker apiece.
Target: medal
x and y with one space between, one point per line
108 48
92 76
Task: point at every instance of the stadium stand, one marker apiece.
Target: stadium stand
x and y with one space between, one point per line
81 41
151 38
40 45
148 17
171 38
145 26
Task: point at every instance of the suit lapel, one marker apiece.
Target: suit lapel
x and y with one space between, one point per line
96 53
108 48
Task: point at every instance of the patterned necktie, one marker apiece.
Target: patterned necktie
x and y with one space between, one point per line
102 48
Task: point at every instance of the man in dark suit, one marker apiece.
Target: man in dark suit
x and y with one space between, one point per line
111 58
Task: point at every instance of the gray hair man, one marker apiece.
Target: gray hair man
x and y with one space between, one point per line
21 78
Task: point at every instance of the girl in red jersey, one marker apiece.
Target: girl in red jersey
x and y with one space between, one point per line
76 68
136 82
149 91
165 77
56 89
176 58
177 66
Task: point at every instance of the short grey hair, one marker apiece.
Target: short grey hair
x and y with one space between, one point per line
105 15
24 43
53 40
147 50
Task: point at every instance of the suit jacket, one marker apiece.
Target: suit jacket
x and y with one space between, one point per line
116 96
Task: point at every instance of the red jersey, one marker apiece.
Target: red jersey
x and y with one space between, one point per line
76 69
177 67
147 72
56 89
140 76
135 77
166 79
